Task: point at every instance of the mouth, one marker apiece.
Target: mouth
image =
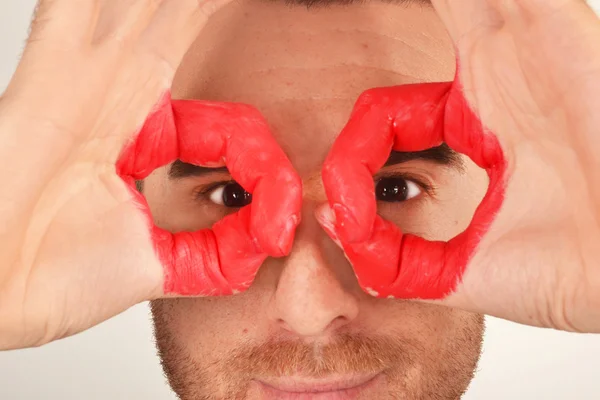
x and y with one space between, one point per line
346 387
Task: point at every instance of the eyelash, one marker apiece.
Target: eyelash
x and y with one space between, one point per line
203 193
427 187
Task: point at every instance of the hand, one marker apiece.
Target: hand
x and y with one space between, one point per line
77 242
524 107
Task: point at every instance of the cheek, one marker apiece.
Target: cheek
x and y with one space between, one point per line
438 331
423 322
198 324
182 215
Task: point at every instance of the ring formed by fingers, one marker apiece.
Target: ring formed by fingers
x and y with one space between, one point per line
414 117
226 258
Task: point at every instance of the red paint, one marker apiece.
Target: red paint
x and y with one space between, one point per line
225 259
406 118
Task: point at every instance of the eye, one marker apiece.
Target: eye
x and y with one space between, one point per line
230 195
396 189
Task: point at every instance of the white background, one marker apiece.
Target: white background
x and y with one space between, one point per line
117 360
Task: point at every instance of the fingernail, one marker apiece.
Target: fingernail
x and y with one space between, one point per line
346 225
286 239
326 218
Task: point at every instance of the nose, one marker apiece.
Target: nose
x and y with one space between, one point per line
316 292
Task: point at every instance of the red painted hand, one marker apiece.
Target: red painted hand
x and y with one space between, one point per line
76 249
530 72
223 260
405 118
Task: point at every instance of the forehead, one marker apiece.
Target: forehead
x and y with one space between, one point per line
304 68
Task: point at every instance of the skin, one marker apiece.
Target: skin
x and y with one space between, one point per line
78 250
405 118
224 259
544 121
310 302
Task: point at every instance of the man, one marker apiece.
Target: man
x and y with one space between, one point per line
305 317
306 327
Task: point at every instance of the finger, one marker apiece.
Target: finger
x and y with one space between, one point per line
220 261
376 267
225 259
154 146
386 262
362 148
208 262
439 113
419 114
84 23
175 26
427 115
71 22
365 144
390 264
276 211
238 136
468 20
123 20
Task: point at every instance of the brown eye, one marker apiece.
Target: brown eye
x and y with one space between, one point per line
396 189
231 195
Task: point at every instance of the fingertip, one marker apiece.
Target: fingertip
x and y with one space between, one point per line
276 211
326 218
351 193
286 239
347 225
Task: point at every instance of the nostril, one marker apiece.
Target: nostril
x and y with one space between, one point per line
316 312
312 294
337 323
286 239
316 328
284 325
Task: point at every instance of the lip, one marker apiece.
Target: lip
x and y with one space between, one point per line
346 387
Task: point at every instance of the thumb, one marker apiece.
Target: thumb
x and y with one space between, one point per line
176 26
468 19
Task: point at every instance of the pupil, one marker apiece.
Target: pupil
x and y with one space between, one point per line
235 196
391 190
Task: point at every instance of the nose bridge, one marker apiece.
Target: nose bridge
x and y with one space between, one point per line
313 191
313 296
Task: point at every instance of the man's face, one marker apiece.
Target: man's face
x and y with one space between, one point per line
305 329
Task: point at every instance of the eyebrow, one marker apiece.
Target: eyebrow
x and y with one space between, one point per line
180 170
442 155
